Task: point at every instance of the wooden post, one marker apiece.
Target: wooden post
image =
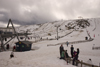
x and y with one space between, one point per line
81 63
69 60
92 65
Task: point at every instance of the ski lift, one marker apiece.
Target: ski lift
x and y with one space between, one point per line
11 34
21 37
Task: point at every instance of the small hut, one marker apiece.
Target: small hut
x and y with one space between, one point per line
23 46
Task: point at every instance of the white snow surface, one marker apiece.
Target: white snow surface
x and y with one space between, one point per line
48 56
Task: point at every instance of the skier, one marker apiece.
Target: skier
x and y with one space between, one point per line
12 54
72 48
61 49
67 43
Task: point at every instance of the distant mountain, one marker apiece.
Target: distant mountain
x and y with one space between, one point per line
50 28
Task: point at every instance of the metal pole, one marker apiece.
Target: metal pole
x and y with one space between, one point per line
9 40
57 32
13 28
26 35
2 45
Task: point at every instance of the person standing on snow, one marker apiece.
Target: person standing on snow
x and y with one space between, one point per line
66 56
61 49
67 43
74 53
7 47
75 58
72 48
12 54
62 55
78 52
14 47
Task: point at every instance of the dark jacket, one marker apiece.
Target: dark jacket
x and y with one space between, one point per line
7 46
76 57
61 48
67 56
78 52
72 48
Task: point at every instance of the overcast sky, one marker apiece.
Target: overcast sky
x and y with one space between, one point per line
27 12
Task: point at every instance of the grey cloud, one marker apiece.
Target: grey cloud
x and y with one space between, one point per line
25 12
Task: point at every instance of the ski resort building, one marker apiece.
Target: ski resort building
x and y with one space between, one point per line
23 46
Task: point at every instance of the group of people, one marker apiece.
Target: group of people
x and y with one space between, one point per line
74 54
64 54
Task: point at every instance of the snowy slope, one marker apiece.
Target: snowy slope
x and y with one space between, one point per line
44 29
47 56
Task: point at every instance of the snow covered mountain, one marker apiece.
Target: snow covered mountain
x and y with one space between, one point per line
49 30
47 56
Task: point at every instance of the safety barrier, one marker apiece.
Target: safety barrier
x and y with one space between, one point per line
95 48
74 42
80 63
52 38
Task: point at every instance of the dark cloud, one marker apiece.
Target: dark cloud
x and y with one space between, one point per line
26 12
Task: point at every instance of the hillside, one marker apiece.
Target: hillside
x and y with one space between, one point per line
47 56
48 30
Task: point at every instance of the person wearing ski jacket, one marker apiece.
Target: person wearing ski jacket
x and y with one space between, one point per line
75 58
62 55
61 49
72 48
78 52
